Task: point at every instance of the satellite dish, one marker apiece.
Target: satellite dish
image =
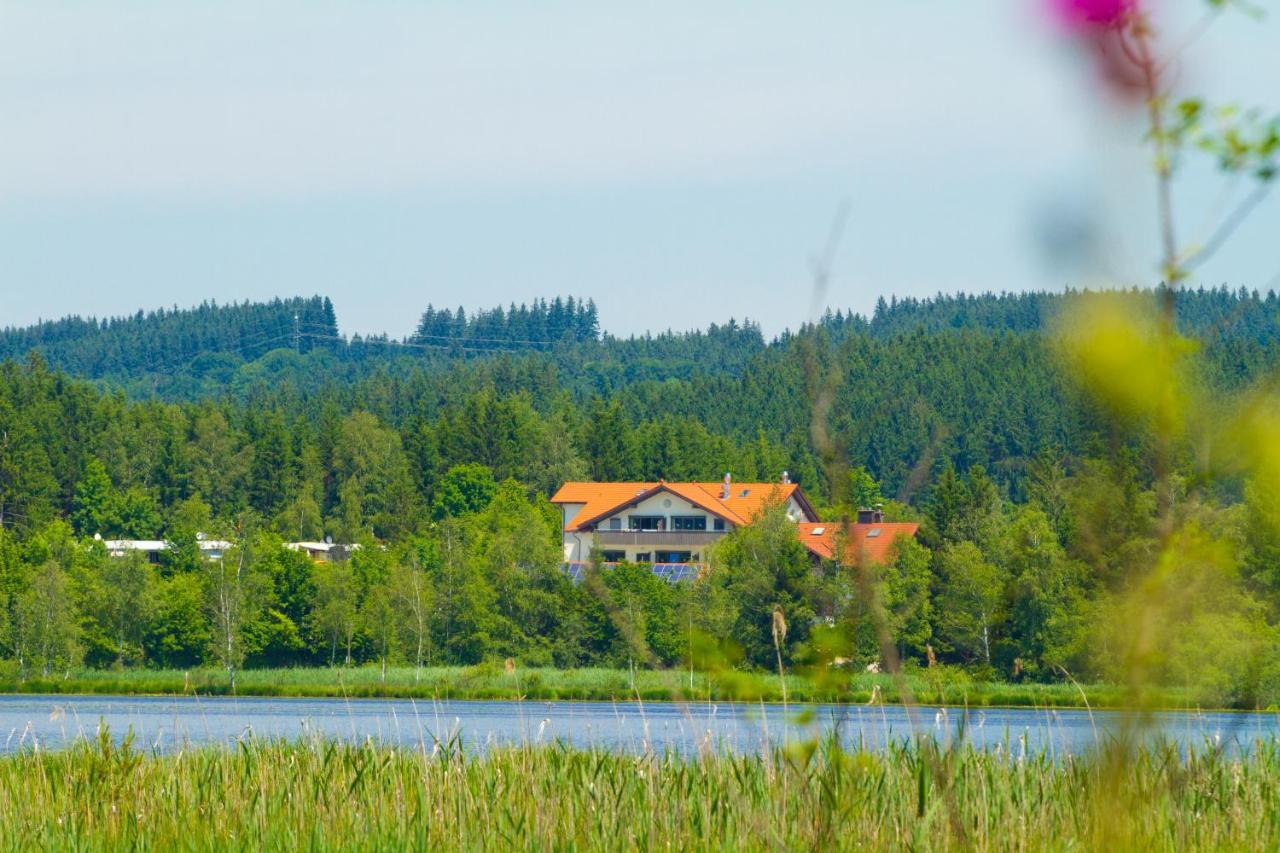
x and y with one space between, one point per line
328 540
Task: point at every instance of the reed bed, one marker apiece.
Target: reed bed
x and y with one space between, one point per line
328 795
494 682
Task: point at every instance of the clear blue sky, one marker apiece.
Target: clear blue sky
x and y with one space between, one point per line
678 162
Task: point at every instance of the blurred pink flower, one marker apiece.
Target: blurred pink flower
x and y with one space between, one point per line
1092 14
1100 26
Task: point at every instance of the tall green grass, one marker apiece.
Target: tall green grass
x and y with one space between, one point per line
322 794
493 682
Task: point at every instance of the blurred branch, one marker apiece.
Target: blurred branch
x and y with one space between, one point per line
1273 283
1197 32
820 265
924 465
1197 256
1135 41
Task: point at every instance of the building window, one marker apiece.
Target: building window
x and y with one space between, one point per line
688 522
615 524
613 556
648 522
645 557
719 524
674 557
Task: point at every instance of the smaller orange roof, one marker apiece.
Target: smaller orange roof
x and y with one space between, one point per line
870 542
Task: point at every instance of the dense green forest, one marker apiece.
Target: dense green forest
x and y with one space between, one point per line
164 341
439 452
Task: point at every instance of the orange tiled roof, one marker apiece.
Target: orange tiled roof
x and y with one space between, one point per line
822 537
745 500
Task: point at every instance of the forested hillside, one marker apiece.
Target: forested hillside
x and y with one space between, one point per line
212 350
963 384
1221 312
167 341
966 418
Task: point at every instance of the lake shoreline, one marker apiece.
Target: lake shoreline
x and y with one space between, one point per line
632 701
483 683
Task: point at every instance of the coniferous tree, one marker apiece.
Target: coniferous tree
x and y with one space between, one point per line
92 507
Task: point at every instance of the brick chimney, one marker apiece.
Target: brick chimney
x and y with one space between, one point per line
872 515
727 488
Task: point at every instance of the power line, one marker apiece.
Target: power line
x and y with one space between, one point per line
418 337
459 343
313 331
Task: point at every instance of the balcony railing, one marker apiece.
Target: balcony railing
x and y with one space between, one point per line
658 538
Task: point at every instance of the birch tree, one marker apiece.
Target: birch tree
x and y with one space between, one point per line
334 616
970 593
234 591
46 629
378 619
125 603
412 604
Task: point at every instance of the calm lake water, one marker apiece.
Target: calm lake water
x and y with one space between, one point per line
168 723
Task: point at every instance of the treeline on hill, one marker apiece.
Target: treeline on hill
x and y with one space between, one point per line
1202 313
542 324
1033 504
162 341
243 350
204 347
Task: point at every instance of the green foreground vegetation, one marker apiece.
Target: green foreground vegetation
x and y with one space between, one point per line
318 794
949 687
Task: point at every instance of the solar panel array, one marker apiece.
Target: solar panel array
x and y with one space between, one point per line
670 572
676 572
575 571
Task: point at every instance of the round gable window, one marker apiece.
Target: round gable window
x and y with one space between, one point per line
667 502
